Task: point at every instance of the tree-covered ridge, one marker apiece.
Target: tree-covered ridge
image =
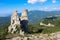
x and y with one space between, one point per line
37 28
4 21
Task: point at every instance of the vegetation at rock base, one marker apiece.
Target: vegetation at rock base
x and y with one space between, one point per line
18 28
3 31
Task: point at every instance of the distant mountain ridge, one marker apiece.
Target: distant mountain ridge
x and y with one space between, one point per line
4 21
35 16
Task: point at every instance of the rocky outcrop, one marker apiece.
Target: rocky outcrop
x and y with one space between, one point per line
49 24
14 22
24 21
18 22
52 36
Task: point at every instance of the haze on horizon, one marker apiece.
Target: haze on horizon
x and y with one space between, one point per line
8 6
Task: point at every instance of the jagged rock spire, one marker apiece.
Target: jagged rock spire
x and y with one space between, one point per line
24 15
14 22
15 18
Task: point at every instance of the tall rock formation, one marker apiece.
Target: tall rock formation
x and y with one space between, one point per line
24 21
21 22
14 22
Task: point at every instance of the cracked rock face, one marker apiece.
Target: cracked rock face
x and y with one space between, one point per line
15 19
14 22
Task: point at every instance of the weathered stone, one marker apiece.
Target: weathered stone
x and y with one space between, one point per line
29 38
58 36
14 22
24 15
21 32
25 38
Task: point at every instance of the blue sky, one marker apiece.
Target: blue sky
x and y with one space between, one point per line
9 6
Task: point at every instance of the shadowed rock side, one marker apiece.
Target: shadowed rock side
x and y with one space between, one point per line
24 25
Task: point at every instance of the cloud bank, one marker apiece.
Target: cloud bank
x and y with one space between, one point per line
36 1
39 1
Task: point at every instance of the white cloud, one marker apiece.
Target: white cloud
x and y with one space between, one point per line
42 1
32 1
39 1
36 1
53 1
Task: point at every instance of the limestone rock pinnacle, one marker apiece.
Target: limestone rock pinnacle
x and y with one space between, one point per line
24 15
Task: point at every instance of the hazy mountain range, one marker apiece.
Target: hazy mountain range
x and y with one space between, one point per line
35 16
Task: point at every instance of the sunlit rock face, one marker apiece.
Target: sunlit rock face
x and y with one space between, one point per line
14 22
24 15
15 19
24 21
